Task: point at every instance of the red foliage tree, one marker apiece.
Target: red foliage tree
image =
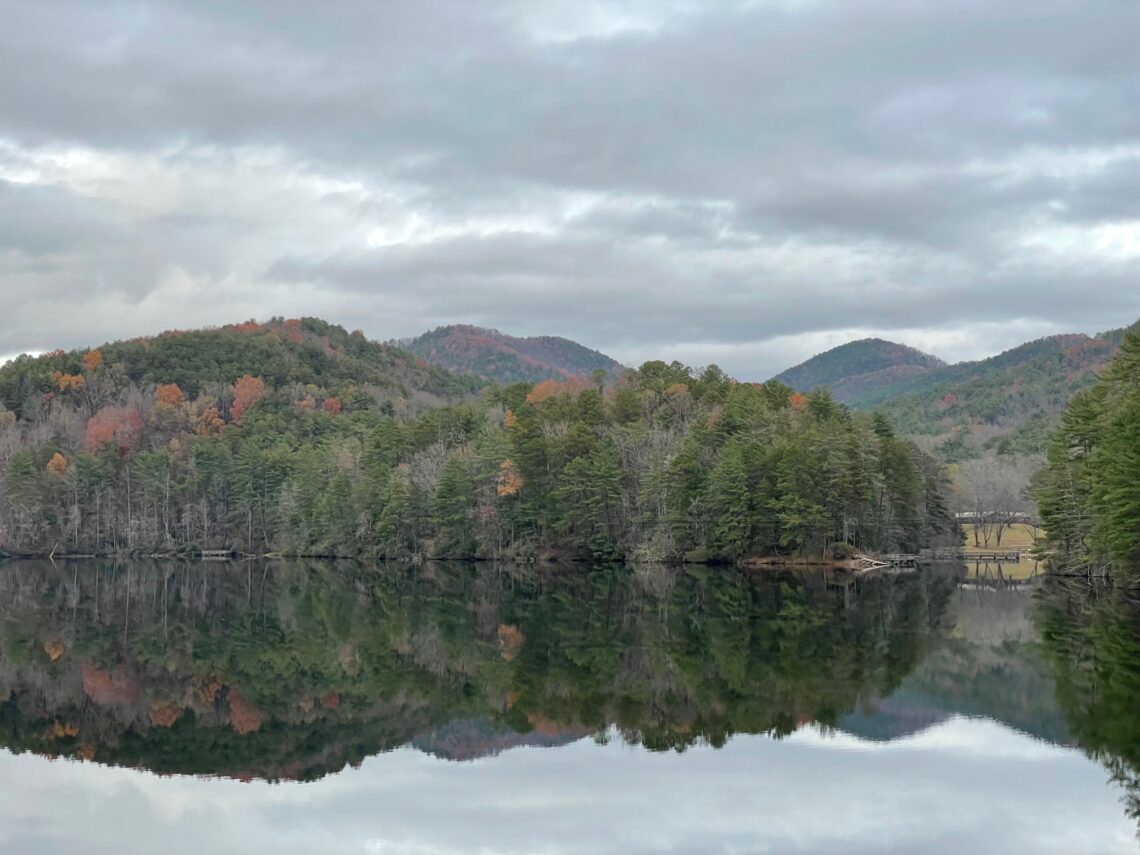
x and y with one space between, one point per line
293 330
247 392
332 406
123 425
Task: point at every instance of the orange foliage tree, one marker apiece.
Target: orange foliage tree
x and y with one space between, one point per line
542 391
92 360
552 388
209 422
511 641
169 394
510 480
67 382
247 392
57 466
332 406
123 425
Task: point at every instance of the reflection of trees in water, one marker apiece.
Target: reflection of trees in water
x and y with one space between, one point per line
293 669
1091 634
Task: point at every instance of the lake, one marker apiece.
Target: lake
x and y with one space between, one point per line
338 707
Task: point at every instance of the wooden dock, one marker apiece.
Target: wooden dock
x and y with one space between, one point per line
903 560
989 555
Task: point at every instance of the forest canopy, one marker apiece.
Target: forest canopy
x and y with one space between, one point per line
297 437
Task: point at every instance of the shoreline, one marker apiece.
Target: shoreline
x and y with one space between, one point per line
234 556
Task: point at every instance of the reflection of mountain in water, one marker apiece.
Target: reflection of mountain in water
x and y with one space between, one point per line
470 739
990 664
286 670
294 670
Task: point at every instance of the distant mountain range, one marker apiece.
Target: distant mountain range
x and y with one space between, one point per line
1010 399
492 355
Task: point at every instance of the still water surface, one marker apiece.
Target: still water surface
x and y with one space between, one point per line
341 708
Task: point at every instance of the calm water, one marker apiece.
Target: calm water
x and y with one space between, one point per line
338 708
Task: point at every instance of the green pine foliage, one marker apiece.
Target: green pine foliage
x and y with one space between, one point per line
1089 491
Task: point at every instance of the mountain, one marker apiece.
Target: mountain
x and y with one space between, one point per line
492 355
859 368
299 358
1009 401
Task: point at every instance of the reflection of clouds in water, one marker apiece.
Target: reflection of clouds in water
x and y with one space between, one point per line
964 785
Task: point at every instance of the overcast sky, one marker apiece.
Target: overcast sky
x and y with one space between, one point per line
744 183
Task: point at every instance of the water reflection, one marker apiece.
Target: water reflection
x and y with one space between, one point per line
1090 630
890 698
293 670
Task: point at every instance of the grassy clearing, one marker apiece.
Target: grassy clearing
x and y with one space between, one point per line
1017 536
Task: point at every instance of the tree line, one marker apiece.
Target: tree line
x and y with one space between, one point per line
1088 492
301 444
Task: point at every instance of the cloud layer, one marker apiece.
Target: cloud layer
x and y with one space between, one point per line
739 182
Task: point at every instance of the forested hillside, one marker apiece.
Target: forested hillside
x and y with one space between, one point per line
1089 491
328 444
1007 403
302 358
505 359
860 368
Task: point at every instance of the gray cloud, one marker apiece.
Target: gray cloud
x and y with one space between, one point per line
638 176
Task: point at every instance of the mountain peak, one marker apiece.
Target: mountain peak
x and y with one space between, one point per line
860 366
494 355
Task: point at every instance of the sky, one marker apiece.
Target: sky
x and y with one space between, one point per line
966 785
745 182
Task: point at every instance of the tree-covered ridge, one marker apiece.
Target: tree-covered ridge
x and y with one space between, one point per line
669 464
1010 401
505 359
1007 403
1089 490
280 670
284 354
859 368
